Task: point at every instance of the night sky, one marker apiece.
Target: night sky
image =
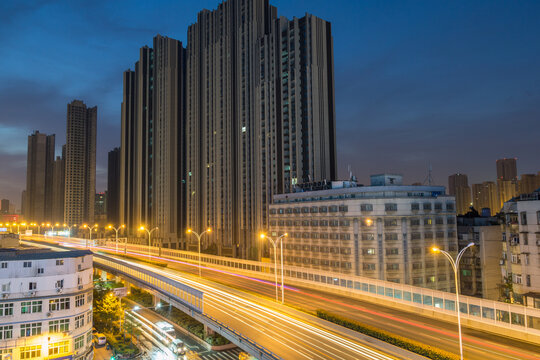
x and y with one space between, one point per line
454 83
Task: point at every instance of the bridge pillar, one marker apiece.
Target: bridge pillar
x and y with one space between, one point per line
103 275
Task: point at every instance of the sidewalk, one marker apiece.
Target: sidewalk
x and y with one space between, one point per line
101 353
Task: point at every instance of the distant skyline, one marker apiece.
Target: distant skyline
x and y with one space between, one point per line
454 84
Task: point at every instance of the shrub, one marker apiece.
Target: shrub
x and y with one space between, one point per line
402 342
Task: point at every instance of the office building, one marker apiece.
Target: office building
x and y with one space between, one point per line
4 209
151 159
529 183
480 272
260 117
46 307
484 196
39 177
100 208
383 232
458 186
507 169
113 187
520 264
80 163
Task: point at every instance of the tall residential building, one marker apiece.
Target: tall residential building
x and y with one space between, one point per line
383 232
458 186
506 190
520 263
113 187
260 117
152 177
529 183
484 196
507 169
46 308
59 187
80 163
23 202
4 209
39 177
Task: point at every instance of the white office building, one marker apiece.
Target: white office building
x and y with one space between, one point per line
45 304
384 231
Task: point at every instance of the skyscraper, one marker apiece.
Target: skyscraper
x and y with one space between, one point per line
458 186
529 183
4 209
59 187
151 159
113 187
259 116
506 169
80 165
484 196
39 176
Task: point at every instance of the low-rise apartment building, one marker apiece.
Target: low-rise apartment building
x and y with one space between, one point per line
520 263
384 231
46 304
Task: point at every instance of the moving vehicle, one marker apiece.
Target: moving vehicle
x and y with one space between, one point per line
100 339
165 327
177 347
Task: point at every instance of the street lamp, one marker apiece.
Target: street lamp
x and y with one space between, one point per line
69 228
189 231
455 267
274 243
149 234
53 226
116 229
90 231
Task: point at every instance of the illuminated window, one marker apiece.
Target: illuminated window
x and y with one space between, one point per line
60 347
30 329
30 352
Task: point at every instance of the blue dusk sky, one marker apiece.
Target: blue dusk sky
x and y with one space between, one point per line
451 83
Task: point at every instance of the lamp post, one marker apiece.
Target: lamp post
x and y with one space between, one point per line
149 234
53 226
189 231
116 230
39 228
455 267
90 231
274 243
69 228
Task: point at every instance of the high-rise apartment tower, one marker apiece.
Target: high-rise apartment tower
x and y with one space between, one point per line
80 165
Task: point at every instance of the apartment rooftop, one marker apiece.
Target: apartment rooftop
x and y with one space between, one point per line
39 254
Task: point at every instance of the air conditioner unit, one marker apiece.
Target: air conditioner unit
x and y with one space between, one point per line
31 293
59 290
5 295
49 314
80 287
501 262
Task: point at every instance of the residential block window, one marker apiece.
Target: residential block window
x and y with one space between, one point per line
30 352
392 251
59 262
59 304
366 207
392 266
56 326
390 222
79 321
29 307
368 266
415 206
32 286
368 251
368 236
27 264
4 265
6 309
6 332
60 347
390 236
415 222
30 329
390 207
4 352
523 218
79 342
427 206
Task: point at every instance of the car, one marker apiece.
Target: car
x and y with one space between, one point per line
165 327
94 331
177 346
100 339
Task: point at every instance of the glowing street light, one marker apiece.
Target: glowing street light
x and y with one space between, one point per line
69 228
90 231
142 228
116 229
455 267
53 226
274 243
189 231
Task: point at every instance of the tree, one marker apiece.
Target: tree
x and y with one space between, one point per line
109 312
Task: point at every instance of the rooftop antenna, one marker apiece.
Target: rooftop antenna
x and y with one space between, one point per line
429 179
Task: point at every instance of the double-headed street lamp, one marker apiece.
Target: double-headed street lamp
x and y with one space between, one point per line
274 243
53 226
116 229
90 231
189 231
69 228
149 235
455 267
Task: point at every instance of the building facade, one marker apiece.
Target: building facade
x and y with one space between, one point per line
152 183
4 209
80 163
260 117
484 196
529 183
46 304
113 187
59 187
39 177
458 186
479 267
507 169
520 263
382 232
